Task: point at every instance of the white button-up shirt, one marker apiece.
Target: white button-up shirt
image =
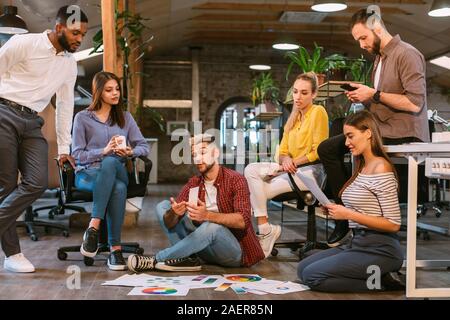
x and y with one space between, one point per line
31 72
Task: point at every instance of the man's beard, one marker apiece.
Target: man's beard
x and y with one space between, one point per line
376 44
207 169
62 40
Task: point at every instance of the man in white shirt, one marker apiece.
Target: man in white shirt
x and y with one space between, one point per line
33 67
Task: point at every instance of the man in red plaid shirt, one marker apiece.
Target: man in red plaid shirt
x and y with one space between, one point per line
217 229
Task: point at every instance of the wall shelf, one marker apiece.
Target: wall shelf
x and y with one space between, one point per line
330 89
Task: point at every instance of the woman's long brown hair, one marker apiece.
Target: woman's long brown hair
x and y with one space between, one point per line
363 121
98 84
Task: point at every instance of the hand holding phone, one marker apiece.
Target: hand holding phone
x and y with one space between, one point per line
348 87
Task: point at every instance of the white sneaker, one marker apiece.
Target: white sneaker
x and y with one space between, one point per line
18 263
268 240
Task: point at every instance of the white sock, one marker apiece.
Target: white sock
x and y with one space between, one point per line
264 228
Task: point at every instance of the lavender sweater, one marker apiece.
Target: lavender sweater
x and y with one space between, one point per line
90 136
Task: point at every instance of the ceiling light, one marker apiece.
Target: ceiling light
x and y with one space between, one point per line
440 8
86 54
285 43
442 61
285 46
10 22
328 5
260 67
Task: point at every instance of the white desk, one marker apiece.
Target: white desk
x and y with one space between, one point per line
416 153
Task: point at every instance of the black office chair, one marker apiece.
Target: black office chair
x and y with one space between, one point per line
303 198
30 223
137 187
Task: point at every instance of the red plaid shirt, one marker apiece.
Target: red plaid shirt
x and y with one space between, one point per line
233 196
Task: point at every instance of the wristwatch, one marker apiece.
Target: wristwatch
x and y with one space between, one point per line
376 96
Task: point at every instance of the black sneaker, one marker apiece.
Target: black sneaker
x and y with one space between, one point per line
140 263
89 247
116 261
181 264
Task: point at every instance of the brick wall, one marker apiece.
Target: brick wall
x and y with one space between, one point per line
224 74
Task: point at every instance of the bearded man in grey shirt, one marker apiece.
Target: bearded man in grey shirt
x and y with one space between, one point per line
398 99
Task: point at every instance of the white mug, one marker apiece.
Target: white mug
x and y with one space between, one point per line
121 142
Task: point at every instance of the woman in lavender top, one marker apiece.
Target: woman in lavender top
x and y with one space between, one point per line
101 160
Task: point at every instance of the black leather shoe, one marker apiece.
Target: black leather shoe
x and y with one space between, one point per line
89 247
393 281
116 261
340 231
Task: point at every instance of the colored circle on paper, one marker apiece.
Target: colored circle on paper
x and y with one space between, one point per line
243 278
282 288
159 290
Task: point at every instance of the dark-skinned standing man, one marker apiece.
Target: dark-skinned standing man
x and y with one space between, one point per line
34 67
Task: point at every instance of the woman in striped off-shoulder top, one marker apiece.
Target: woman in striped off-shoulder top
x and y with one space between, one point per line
371 205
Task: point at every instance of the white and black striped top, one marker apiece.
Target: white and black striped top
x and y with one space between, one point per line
374 195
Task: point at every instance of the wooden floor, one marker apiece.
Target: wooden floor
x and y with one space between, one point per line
49 282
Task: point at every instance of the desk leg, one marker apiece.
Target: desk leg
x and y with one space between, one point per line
411 239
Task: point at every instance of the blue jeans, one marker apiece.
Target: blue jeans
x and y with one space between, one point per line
108 185
212 242
345 268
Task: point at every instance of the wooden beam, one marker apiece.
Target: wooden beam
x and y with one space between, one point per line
267 35
195 52
135 69
235 17
309 43
215 17
120 57
109 36
269 27
280 7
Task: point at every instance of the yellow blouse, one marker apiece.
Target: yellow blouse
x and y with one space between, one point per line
304 138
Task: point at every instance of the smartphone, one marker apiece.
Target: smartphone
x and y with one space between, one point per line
348 87
193 196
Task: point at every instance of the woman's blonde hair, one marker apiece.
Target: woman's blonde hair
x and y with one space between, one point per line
307 76
362 121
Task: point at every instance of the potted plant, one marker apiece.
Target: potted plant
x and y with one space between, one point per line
306 62
359 74
337 66
130 29
265 94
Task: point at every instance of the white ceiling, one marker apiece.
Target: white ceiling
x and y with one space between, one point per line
180 23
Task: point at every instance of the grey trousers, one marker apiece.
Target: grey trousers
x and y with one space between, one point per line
349 268
22 149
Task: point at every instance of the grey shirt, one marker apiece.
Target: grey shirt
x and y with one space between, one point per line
402 72
90 136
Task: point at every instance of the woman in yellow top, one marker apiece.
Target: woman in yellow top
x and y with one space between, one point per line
305 129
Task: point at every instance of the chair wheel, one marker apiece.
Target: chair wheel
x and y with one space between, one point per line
62 255
274 252
65 233
421 211
140 251
34 237
88 261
